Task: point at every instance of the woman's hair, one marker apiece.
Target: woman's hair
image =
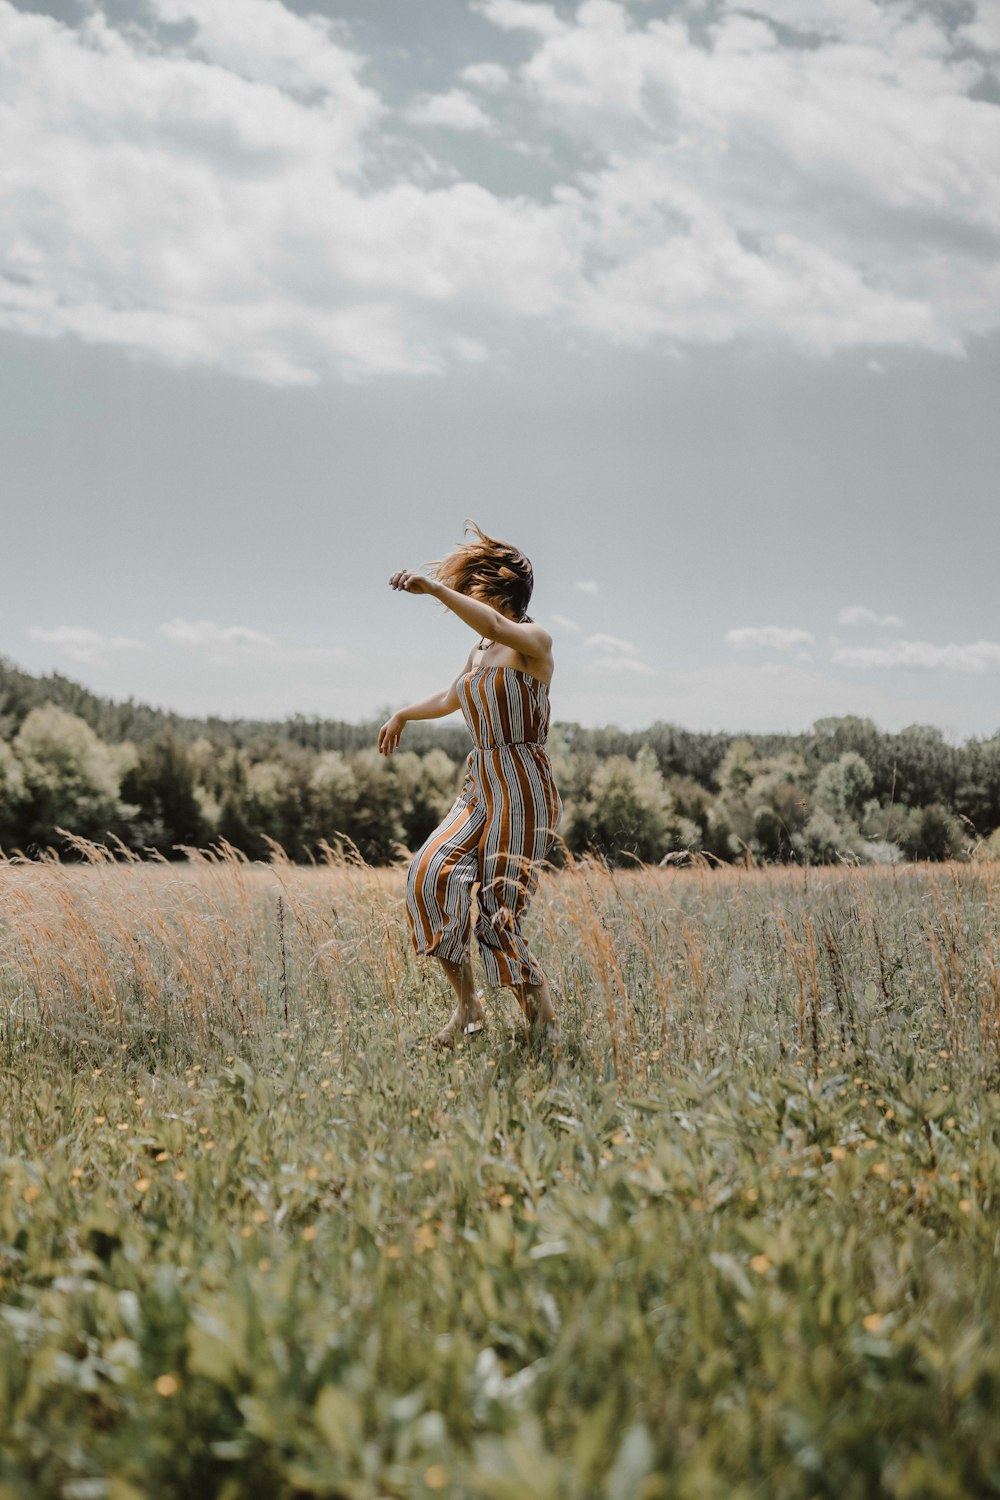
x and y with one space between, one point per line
489 570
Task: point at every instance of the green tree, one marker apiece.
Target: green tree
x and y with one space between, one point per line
926 766
333 797
630 809
738 767
71 778
843 786
780 807
12 794
978 794
377 827
163 786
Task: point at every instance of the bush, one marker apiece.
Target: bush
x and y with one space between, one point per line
826 841
933 833
629 812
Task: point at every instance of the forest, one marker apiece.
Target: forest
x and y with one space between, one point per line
156 783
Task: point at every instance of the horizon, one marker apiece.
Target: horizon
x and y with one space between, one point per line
455 720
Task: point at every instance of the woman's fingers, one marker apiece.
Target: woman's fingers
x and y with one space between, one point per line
409 582
388 737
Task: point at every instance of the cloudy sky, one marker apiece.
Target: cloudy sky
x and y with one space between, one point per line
697 302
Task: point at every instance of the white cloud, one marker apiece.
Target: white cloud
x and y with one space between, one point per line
611 665
239 645
212 204
564 623
486 75
978 656
522 15
774 637
239 196
89 647
207 635
455 110
859 614
612 644
587 586
264 42
747 187
983 31
615 655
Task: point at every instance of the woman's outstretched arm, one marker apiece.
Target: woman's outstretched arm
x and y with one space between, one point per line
531 640
434 707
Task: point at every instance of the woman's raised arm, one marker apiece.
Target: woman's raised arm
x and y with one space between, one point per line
531 640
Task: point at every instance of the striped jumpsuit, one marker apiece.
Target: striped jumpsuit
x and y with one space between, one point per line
498 831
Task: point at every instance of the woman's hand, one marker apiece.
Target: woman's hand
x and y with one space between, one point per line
412 583
390 733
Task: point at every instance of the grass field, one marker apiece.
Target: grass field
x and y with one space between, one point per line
257 1239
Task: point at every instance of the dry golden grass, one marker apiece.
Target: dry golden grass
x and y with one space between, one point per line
681 963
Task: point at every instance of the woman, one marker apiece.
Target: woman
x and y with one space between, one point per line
503 822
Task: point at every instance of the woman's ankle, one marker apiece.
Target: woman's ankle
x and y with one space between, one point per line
537 1004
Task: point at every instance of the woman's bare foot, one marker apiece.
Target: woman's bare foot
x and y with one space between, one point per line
536 1002
468 1018
539 1012
546 1035
471 1023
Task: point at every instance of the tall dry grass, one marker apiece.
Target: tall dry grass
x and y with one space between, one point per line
651 967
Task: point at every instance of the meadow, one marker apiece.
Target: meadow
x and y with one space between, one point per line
738 1239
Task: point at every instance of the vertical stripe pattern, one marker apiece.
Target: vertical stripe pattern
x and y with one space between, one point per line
497 833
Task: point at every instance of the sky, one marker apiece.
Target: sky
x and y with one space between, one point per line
698 303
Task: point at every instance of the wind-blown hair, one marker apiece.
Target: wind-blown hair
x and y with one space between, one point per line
489 570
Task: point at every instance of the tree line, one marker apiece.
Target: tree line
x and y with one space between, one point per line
161 782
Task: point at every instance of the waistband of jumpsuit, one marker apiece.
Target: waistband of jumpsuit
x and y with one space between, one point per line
506 745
